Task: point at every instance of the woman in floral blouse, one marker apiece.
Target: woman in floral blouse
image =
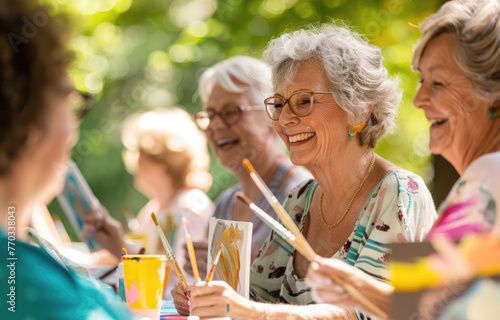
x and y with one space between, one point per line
333 102
457 59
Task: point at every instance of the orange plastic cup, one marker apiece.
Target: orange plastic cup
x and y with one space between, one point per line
144 277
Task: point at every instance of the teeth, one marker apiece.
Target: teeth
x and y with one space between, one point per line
225 141
300 137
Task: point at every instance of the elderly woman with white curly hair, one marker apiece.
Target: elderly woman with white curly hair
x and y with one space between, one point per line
457 60
333 102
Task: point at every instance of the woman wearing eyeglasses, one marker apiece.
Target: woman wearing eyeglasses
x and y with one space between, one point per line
333 102
39 111
235 122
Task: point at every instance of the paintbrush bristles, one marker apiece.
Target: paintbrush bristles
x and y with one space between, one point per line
243 198
248 165
217 257
153 216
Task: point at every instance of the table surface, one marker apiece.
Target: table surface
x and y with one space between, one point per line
168 312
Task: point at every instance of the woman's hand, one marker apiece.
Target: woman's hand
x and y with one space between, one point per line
325 290
181 301
218 299
108 231
201 252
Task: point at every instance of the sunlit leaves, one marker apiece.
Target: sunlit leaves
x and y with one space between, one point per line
142 54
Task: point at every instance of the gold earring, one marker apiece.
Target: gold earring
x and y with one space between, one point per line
354 130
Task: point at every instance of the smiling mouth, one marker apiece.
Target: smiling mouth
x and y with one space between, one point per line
225 142
437 122
301 137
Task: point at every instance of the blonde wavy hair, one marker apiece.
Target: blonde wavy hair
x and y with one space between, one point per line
475 24
169 136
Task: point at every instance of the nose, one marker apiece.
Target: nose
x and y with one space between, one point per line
421 98
217 123
287 117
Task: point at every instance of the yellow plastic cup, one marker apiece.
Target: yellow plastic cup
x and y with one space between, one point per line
144 277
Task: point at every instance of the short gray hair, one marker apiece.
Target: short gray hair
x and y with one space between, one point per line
475 24
238 74
354 70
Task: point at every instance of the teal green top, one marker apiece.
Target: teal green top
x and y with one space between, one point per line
46 289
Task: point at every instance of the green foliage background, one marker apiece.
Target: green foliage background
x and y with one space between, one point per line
142 54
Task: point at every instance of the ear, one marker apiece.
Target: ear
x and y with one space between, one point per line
363 118
35 135
369 112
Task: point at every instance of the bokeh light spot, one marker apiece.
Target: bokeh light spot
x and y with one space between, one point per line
198 29
93 82
159 61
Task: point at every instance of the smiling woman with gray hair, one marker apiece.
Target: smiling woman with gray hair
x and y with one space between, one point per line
333 102
458 61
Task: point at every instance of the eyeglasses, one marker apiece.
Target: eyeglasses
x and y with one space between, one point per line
80 104
300 102
229 115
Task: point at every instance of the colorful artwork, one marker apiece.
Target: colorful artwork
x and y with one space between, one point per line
77 200
234 239
438 277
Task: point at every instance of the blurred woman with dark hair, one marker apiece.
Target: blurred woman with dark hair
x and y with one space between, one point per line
39 110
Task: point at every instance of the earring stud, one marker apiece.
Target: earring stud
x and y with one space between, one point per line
494 112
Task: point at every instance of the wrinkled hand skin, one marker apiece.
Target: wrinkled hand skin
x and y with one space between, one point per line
212 300
181 301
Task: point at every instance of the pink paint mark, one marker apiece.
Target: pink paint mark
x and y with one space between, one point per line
401 238
450 224
132 293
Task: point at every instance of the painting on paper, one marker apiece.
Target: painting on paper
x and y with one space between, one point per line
234 239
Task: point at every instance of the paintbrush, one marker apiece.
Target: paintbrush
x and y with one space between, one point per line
170 253
283 232
214 265
280 211
192 256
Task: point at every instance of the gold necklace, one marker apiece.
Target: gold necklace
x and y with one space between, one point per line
350 203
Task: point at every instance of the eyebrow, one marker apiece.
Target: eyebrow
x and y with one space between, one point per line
433 68
224 106
300 90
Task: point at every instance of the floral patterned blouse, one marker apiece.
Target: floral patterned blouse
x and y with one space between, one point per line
399 209
472 204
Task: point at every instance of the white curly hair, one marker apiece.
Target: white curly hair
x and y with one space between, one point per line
354 69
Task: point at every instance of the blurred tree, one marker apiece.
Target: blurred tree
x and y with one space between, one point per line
142 54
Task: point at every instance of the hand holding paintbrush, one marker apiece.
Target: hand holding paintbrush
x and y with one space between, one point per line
300 243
